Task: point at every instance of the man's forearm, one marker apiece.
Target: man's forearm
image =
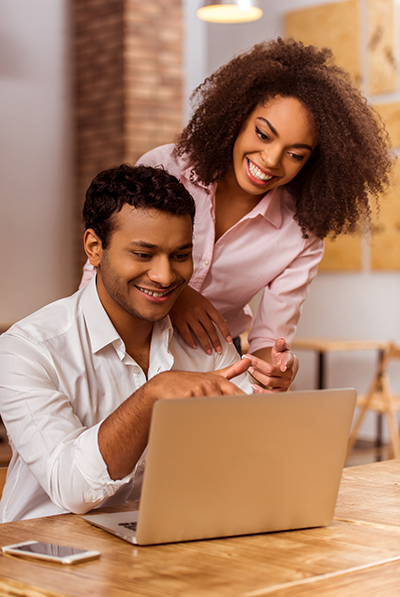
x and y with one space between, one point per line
123 434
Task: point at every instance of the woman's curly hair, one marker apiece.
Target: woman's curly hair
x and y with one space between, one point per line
352 160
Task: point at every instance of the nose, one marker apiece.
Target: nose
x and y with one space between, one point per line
162 272
272 157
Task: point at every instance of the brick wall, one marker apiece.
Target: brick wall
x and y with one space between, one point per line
128 85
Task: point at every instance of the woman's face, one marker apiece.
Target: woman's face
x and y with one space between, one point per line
274 144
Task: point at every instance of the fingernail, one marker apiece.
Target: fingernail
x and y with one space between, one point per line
219 349
251 369
255 388
209 351
229 339
246 356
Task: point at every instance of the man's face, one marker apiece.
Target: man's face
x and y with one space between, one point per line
147 264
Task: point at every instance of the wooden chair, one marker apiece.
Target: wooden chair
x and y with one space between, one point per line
381 399
3 474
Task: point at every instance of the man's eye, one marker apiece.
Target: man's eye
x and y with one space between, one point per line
142 255
181 256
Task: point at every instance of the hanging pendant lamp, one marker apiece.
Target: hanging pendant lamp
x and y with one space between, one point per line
229 11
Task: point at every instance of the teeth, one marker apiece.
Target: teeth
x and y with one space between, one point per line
257 173
151 293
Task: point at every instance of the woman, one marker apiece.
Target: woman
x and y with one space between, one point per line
281 150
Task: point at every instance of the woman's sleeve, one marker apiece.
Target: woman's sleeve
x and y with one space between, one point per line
279 310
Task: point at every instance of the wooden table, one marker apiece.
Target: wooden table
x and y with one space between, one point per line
357 554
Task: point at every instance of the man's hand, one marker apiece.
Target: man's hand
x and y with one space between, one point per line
193 314
186 384
234 370
123 434
273 369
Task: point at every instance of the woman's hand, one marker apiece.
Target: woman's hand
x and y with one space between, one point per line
194 315
273 369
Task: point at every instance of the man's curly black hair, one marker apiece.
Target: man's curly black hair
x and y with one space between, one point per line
352 160
139 186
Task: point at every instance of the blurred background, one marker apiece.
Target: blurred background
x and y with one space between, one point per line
87 84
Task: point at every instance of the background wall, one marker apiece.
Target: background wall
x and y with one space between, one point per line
36 156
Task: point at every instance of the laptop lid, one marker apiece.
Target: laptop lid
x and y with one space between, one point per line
236 465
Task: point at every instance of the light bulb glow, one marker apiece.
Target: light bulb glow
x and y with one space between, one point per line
241 12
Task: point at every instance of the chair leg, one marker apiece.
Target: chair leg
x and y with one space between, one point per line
356 427
394 433
376 387
390 412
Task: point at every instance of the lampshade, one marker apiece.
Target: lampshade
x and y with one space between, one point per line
229 11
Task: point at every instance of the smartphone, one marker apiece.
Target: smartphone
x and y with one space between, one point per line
50 552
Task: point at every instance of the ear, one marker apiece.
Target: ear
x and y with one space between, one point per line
93 247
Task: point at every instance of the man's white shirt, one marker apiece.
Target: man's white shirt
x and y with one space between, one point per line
63 370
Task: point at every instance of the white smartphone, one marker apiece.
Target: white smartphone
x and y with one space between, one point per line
50 552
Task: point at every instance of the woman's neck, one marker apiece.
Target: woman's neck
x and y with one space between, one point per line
232 203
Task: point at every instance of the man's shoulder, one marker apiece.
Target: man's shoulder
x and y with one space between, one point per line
52 320
190 359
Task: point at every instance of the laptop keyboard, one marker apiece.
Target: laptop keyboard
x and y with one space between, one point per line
128 525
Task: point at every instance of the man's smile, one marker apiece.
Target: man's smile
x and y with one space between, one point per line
156 293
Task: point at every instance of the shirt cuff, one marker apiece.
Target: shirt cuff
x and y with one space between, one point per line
93 467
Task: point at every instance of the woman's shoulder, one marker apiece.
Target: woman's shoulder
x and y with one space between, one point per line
164 156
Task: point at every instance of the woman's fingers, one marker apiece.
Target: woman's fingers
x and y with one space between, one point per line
195 317
271 376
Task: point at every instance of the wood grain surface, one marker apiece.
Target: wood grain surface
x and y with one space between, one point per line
358 552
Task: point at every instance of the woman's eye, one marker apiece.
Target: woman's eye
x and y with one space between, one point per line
297 156
260 134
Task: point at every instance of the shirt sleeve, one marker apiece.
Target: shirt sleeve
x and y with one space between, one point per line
280 308
61 453
227 357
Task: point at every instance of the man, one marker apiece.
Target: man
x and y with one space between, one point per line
78 378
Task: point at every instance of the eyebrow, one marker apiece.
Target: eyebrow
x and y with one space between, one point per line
144 245
275 132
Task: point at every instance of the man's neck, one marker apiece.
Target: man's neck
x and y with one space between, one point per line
135 333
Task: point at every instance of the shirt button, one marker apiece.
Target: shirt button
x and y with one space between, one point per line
206 263
136 370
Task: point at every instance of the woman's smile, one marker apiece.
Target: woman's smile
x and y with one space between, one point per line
258 174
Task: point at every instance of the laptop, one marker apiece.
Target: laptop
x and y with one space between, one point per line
239 465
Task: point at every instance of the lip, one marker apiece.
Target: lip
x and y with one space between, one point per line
256 181
156 299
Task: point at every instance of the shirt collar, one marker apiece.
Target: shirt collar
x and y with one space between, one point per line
270 206
101 330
